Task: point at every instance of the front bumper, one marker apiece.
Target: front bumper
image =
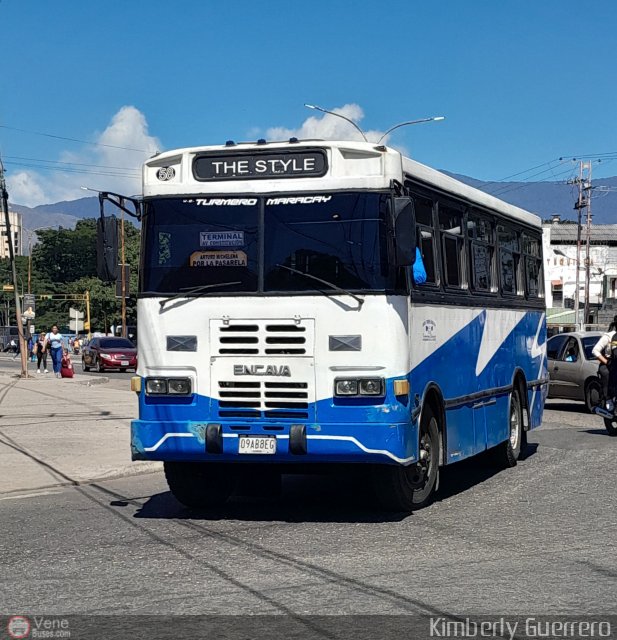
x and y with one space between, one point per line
364 443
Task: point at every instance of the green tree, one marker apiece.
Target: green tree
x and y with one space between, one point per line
64 262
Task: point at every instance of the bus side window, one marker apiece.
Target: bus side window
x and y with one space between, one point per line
509 260
453 240
426 236
534 279
481 253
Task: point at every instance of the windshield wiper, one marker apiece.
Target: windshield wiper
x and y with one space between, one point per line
187 291
333 286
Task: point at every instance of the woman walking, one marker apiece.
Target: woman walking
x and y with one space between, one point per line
40 349
54 340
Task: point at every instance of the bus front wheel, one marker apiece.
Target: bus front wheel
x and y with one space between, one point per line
408 488
200 485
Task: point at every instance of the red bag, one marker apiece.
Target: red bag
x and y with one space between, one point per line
66 369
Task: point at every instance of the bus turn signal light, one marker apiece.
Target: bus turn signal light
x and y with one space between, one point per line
401 387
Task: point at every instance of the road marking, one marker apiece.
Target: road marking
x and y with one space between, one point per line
30 495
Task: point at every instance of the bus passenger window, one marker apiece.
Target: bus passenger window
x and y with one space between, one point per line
426 236
481 252
451 225
534 278
509 258
426 242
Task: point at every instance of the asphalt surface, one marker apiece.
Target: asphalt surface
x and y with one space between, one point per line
538 538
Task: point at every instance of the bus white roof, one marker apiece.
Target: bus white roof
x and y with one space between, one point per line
392 165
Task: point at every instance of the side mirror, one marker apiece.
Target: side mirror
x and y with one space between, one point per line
404 231
106 248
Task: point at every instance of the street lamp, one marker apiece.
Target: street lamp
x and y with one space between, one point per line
351 122
404 124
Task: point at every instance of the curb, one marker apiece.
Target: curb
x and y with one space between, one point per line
88 382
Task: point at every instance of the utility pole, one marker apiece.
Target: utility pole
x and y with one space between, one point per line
123 275
583 180
23 349
587 188
578 206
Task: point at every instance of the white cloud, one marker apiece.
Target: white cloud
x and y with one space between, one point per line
113 165
329 127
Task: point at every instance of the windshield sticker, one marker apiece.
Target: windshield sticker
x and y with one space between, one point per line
221 238
300 200
221 202
218 259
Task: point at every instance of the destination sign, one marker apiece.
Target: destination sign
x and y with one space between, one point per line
248 166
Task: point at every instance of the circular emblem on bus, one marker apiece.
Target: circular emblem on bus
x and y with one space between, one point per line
18 627
166 173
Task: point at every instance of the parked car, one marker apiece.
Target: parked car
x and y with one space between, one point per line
109 353
572 369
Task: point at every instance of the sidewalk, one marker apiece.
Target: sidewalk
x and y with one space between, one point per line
64 431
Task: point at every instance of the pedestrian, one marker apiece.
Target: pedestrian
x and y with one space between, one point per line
66 370
603 351
17 348
40 349
54 344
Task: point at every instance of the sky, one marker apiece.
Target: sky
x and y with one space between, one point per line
521 83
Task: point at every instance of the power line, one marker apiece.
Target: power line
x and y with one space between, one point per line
516 187
96 144
80 164
75 170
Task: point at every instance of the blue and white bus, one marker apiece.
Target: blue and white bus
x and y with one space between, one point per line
280 323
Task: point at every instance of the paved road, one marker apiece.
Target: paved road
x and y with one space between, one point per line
539 538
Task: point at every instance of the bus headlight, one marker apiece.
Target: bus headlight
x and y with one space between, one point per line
156 386
179 386
168 386
345 387
371 387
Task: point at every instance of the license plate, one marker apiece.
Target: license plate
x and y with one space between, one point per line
257 445
124 363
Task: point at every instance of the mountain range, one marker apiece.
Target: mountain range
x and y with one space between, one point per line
543 198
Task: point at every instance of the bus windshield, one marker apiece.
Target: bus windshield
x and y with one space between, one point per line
341 238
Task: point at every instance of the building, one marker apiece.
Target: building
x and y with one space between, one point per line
15 220
559 246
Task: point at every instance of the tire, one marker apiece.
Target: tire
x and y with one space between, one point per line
611 427
84 366
593 394
405 489
200 485
506 454
99 366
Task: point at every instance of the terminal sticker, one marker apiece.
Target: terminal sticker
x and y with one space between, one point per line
221 238
218 259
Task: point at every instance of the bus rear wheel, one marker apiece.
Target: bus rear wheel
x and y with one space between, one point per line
413 487
200 485
506 454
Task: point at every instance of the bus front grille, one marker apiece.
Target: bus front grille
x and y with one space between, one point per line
261 399
262 337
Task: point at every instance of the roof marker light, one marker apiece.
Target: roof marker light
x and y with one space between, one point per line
230 143
261 141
